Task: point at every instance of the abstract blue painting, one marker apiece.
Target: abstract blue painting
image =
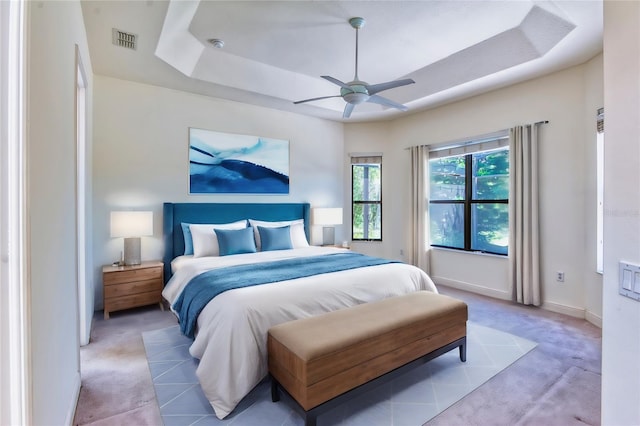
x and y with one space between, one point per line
224 163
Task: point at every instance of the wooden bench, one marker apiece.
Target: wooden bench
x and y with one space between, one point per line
324 360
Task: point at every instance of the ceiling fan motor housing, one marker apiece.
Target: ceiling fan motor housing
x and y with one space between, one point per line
358 93
357 22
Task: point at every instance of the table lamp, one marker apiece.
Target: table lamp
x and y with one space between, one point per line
131 225
327 217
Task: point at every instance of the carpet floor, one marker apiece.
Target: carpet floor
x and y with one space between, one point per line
408 400
556 383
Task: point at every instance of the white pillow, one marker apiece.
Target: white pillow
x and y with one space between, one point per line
205 241
298 237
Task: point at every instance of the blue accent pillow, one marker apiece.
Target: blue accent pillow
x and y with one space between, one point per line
275 238
236 241
188 239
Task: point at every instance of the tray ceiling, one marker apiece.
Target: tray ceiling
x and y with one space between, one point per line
275 52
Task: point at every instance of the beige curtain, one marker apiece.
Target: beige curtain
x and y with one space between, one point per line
524 259
420 206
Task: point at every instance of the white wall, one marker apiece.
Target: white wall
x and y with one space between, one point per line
621 316
594 99
370 138
567 223
141 156
54 28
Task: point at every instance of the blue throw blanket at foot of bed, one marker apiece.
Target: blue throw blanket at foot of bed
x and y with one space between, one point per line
204 287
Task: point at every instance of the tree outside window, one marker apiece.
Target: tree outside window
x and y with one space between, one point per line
468 206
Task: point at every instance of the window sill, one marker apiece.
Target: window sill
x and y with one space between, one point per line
475 253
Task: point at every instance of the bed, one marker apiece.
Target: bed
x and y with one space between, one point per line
231 329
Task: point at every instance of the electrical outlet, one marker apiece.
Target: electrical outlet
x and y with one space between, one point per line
560 276
401 252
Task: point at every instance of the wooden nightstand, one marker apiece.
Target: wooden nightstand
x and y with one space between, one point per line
126 287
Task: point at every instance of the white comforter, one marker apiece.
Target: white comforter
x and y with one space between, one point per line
231 341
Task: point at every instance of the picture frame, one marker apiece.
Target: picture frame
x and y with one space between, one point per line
227 163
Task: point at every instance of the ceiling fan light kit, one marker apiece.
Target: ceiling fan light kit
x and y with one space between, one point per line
357 96
357 91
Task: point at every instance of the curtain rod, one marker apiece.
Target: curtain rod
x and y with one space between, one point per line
504 130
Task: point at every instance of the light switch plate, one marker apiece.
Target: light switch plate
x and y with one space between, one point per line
629 280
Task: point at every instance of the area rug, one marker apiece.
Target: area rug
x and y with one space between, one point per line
409 400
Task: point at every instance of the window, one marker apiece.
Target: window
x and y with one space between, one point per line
366 196
469 197
600 190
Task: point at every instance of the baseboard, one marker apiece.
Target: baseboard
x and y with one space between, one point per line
504 295
473 288
71 413
572 311
593 319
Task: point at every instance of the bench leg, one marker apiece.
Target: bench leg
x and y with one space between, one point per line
275 395
463 350
310 419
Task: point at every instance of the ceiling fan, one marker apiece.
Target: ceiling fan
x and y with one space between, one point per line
357 91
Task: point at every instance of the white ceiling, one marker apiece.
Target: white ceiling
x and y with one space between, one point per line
275 51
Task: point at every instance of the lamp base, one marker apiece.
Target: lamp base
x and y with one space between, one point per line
328 236
132 251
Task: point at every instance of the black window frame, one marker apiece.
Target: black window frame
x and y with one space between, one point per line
468 202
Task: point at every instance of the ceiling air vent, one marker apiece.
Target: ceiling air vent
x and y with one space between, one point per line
123 39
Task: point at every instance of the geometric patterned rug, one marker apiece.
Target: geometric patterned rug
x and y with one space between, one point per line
409 400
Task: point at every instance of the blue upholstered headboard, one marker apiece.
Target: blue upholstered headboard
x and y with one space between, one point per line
176 213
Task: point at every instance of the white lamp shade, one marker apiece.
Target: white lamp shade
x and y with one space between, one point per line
131 224
327 216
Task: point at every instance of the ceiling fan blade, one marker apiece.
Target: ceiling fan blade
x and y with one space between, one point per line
376 88
347 110
377 99
336 81
317 99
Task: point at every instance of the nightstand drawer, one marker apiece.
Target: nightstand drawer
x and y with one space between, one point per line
131 288
131 301
126 276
